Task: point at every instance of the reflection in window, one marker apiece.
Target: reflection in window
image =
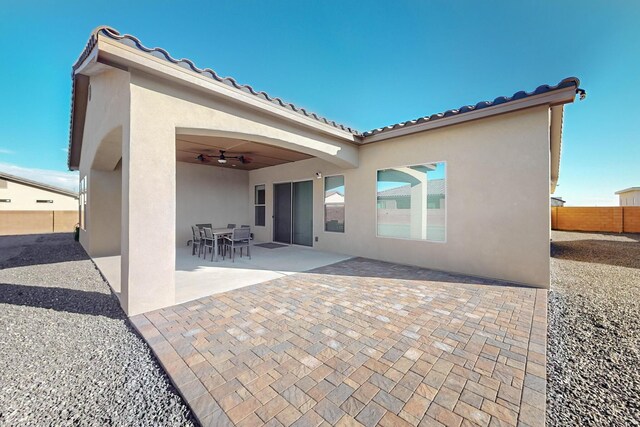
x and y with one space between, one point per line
411 202
259 205
334 203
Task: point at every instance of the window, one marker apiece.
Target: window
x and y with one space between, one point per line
334 203
82 193
259 205
411 202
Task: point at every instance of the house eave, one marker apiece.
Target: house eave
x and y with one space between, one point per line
556 97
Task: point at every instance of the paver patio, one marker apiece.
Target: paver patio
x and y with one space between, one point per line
358 342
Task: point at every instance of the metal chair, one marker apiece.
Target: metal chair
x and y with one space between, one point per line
197 240
250 234
231 226
239 239
208 241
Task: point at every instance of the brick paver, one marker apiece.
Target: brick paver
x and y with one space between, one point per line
360 342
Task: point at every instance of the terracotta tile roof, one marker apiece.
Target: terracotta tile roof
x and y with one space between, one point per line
160 53
568 82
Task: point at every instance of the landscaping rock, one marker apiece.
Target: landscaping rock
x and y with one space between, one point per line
68 354
593 358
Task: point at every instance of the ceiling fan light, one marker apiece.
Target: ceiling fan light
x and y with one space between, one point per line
222 161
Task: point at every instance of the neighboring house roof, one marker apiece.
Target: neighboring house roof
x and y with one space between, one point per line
627 190
558 199
434 187
469 112
30 183
334 197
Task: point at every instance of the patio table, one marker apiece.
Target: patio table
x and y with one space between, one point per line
219 232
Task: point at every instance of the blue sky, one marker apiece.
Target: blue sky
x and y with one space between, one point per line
363 66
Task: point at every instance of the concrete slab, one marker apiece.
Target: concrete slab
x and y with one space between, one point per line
199 277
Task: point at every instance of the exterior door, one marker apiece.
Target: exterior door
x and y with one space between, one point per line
303 213
282 213
293 213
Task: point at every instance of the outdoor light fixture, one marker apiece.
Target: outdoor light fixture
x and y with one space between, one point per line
318 175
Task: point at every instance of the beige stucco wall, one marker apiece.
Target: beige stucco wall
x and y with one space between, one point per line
209 194
497 198
23 198
133 119
106 127
630 198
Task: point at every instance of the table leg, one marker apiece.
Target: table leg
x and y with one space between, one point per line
215 246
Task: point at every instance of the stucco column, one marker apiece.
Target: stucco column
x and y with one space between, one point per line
419 209
148 213
103 212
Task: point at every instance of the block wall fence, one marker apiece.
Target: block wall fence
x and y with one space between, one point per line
615 219
35 222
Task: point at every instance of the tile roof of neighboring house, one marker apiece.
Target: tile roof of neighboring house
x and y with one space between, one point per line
37 184
568 82
160 53
434 187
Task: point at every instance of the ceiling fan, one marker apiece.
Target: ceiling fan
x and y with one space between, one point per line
222 159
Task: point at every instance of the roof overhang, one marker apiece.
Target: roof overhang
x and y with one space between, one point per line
552 98
36 184
556 117
106 49
103 52
628 190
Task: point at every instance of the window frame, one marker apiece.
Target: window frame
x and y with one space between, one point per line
446 202
264 205
324 204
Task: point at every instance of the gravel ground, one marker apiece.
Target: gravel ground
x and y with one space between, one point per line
593 359
68 355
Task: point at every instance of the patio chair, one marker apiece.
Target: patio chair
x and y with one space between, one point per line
250 234
201 226
208 241
239 239
231 226
197 240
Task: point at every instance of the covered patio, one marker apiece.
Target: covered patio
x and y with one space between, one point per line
197 277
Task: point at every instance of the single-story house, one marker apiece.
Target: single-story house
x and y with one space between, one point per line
32 207
629 196
557 202
22 194
162 144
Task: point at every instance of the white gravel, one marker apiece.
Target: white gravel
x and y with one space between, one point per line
593 363
68 355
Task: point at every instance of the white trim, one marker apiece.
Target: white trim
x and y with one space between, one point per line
446 202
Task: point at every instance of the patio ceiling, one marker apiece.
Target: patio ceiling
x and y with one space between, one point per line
189 147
